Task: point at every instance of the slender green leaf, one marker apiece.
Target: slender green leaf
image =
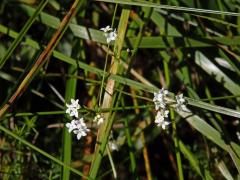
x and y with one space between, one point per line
23 32
214 71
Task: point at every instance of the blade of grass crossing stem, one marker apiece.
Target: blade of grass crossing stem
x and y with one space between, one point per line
217 116
40 151
108 101
71 87
23 32
42 58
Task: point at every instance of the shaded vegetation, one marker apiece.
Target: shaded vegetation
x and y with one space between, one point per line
53 51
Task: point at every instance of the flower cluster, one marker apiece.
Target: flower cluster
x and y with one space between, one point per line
72 109
160 106
78 126
160 118
159 100
109 33
180 103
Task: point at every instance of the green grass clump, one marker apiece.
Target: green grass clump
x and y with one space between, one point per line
52 52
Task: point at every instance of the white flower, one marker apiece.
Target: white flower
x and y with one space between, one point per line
159 100
99 119
109 33
111 36
71 126
163 124
113 146
80 123
106 29
78 127
180 106
72 109
160 118
81 131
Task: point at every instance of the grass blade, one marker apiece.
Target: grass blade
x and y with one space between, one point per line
177 8
40 151
42 58
108 100
23 32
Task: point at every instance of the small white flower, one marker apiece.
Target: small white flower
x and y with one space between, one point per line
180 99
161 115
159 100
160 118
80 123
78 127
111 36
72 109
74 104
72 112
163 124
71 126
106 29
109 33
81 132
113 146
180 106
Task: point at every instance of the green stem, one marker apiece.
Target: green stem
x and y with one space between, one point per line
176 145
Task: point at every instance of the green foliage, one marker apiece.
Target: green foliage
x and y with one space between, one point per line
53 51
